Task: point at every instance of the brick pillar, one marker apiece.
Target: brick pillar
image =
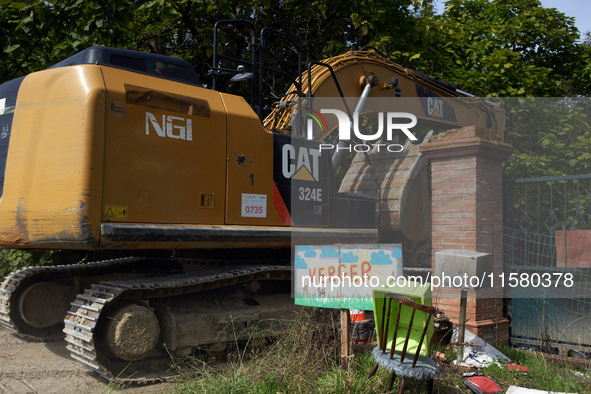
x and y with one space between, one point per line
467 213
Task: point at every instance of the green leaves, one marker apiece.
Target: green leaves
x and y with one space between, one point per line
496 48
41 33
11 48
413 57
552 136
14 259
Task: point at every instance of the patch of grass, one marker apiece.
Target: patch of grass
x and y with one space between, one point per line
450 353
248 377
307 359
543 375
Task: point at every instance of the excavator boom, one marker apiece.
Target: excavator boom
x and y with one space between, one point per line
435 103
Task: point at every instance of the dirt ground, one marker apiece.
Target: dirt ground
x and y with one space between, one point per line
38 367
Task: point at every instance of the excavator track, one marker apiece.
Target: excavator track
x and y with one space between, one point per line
73 279
88 311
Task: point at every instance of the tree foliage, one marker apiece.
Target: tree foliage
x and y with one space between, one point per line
510 48
41 33
506 48
517 48
552 136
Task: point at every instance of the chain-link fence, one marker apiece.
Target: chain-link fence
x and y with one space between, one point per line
548 235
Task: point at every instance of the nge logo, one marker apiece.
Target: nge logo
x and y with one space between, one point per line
171 126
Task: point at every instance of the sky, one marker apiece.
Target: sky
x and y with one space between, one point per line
579 9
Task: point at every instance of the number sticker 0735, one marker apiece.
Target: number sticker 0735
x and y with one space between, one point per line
254 205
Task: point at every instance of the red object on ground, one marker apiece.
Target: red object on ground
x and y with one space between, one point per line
482 385
515 367
357 315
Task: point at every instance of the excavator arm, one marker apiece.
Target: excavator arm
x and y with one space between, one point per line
364 83
435 103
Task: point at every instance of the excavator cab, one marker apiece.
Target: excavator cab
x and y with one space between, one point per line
304 174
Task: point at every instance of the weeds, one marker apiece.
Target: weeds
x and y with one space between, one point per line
543 375
307 360
15 259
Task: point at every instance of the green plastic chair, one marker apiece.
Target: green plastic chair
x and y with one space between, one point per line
404 325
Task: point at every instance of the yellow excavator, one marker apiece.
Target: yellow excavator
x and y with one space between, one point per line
113 149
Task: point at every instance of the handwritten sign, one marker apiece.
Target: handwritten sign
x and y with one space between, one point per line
343 276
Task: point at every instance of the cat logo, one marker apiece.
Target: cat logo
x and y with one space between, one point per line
300 163
435 107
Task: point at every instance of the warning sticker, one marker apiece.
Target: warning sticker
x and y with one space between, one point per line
254 205
115 211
